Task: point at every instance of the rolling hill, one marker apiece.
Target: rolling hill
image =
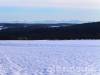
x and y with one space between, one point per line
10 31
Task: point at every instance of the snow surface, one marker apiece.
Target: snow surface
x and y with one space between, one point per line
50 57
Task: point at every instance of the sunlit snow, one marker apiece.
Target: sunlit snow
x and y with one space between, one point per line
50 57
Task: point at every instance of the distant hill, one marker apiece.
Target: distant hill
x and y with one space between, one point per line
10 31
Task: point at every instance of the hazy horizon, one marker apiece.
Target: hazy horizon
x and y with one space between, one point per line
40 10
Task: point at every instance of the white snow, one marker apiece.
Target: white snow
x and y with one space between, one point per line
43 57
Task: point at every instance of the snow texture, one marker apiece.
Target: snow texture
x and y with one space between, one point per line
50 57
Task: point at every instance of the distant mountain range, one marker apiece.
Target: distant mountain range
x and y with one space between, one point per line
49 21
60 21
12 31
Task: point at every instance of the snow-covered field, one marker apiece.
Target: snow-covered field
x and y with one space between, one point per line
50 57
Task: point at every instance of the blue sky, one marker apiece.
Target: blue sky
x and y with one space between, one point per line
35 10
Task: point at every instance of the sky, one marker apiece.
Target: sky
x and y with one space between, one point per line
37 10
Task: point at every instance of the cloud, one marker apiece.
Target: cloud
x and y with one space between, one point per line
78 3
52 3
